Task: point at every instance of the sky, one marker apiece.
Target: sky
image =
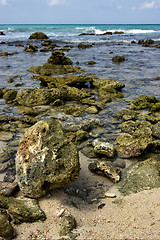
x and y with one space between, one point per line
80 11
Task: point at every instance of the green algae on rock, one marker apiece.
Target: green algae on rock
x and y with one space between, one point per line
143 102
38 35
22 209
118 59
57 64
67 224
31 48
46 159
142 175
6 229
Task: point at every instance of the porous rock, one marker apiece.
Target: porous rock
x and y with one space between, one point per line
104 148
142 175
6 230
156 130
46 159
38 35
101 168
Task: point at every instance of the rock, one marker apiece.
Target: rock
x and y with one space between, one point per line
126 115
2 33
118 59
57 64
38 35
143 102
119 32
104 148
103 169
90 63
67 224
31 48
154 146
84 46
6 229
45 159
7 188
110 195
146 42
10 95
92 110
22 209
156 130
107 33
5 136
143 174
77 136
128 146
6 54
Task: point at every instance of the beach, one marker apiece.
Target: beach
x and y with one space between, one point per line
101 83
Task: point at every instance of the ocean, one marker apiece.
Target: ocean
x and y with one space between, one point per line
139 72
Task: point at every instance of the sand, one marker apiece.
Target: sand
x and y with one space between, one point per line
136 216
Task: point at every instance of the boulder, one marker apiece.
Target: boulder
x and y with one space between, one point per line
45 159
142 175
38 35
143 102
103 148
101 168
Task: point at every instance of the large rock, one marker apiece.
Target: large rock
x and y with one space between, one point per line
142 175
104 148
38 35
46 159
156 130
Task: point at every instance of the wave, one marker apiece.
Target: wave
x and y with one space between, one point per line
93 30
140 31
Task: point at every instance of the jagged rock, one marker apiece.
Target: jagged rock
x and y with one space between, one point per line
22 209
143 174
38 35
126 115
6 229
46 159
57 64
114 174
156 130
10 95
31 48
104 148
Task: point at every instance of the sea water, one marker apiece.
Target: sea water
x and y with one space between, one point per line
138 72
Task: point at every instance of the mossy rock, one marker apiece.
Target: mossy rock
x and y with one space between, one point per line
58 58
118 59
73 110
126 115
6 229
22 209
78 136
144 102
31 48
84 46
67 224
142 175
10 95
90 63
38 35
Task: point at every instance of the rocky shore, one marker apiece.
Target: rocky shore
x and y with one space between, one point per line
52 161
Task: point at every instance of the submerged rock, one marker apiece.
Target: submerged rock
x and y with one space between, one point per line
101 168
46 159
143 174
38 35
31 48
118 59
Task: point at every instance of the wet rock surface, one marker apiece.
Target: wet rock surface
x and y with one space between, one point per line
6 230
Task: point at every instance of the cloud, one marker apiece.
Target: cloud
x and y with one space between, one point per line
133 8
57 2
150 5
3 2
119 6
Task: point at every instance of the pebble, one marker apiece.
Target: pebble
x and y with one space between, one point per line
110 195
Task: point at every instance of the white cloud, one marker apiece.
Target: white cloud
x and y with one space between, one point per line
150 5
133 8
3 2
119 6
57 2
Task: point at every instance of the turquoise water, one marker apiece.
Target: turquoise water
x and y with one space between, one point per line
70 32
